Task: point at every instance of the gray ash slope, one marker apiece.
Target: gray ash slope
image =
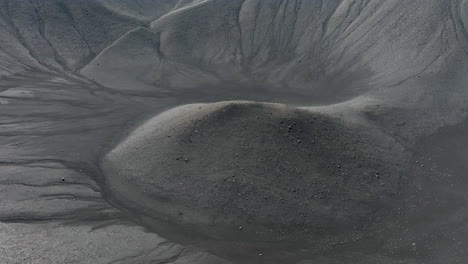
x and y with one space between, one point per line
329 51
78 77
399 53
63 35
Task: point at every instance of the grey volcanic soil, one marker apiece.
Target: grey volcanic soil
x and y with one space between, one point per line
233 131
258 166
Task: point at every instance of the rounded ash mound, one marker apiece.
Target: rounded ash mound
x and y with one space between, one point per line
264 166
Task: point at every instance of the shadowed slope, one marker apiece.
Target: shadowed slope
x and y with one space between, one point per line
64 35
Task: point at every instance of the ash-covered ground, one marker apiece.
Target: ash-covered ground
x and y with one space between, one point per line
240 131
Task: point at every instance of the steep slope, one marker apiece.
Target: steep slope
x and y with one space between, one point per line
403 54
323 44
64 35
147 10
133 63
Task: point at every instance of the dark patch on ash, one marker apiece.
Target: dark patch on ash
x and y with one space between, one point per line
263 167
